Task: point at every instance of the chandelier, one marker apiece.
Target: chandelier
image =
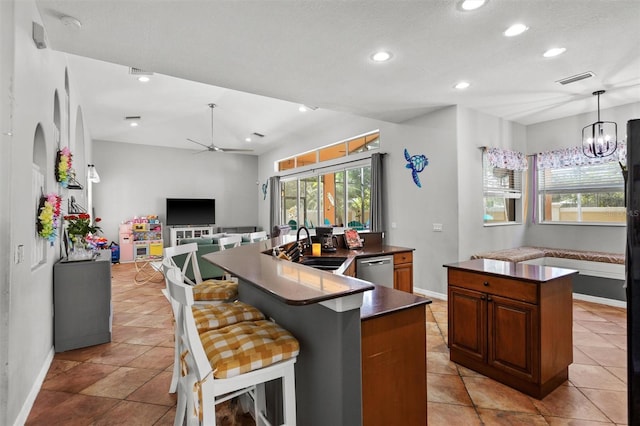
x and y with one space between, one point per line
599 139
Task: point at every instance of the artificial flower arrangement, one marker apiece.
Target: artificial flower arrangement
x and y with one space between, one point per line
63 166
49 216
79 226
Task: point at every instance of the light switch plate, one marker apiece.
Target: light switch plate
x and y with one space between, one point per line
437 227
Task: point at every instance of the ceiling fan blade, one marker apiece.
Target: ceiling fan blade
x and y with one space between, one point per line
234 150
191 140
201 151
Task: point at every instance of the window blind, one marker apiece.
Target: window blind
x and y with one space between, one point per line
581 179
501 182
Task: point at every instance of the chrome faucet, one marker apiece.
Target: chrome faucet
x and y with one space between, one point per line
308 238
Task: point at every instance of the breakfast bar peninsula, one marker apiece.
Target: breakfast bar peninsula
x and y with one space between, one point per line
351 333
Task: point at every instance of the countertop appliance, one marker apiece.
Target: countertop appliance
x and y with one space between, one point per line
377 270
327 239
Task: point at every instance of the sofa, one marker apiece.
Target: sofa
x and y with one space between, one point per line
206 246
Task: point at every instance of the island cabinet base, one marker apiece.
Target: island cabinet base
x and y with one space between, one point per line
394 371
512 322
536 390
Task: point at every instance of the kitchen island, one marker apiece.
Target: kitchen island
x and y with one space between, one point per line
512 322
339 321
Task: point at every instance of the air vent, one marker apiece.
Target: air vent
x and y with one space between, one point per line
132 117
260 135
138 71
575 78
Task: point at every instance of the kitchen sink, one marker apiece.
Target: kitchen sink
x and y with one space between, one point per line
325 263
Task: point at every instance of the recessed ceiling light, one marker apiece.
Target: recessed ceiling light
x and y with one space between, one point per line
381 56
143 78
472 4
462 85
515 29
247 139
302 108
554 52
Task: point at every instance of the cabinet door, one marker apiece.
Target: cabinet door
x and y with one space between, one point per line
468 322
403 277
513 337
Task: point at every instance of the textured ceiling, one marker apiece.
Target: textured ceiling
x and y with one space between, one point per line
317 53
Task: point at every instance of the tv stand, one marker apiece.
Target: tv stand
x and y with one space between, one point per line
178 233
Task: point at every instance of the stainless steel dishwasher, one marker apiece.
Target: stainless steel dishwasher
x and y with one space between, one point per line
377 270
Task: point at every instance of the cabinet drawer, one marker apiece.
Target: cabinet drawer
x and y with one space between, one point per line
404 257
513 289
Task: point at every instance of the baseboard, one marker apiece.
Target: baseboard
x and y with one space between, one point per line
35 389
600 300
429 293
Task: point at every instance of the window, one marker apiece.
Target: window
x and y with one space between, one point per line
588 193
359 144
340 197
502 188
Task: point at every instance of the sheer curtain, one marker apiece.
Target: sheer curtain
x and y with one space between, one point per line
377 202
274 206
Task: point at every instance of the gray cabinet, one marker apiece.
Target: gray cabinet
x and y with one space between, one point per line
82 302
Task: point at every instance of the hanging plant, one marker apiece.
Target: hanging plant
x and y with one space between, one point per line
63 166
49 216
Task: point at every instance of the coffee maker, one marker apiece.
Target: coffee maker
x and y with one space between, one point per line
327 240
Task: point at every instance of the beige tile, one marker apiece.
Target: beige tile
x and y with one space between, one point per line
449 414
447 389
612 403
487 393
507 418
603 327
132 413
589 338
155 391
594 377
570 403
609 357
559 421
580 357
619 372
157 358
439 363
436 343
121 383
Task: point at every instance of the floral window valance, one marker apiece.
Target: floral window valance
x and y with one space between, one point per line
571 157
505 159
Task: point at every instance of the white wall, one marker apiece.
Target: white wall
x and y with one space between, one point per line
412 209
135 180
476 130
30 77
563 133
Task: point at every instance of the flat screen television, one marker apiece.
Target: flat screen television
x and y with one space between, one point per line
191 211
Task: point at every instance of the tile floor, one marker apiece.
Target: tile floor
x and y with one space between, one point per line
126 381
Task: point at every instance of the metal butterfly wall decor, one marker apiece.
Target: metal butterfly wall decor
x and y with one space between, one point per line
265 185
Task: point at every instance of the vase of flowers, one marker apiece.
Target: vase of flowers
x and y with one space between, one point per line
81 230
79 226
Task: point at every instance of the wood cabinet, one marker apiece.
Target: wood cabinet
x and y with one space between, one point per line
512 322
394 370
403 271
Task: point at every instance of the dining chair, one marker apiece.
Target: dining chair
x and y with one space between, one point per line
229 241
221 364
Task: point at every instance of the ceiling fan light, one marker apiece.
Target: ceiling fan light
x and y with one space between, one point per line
553 52
472 4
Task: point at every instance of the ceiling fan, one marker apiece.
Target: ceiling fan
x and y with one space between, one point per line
214 147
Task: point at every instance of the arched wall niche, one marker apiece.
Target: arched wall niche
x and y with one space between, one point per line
56 119
39 172
40 150
67 111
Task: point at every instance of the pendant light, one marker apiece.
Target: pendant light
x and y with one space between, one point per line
599 139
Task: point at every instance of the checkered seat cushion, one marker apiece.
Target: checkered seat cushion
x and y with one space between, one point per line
247 346
211 290
213 317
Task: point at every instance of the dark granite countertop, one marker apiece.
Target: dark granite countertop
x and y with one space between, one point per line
525 272
297 284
